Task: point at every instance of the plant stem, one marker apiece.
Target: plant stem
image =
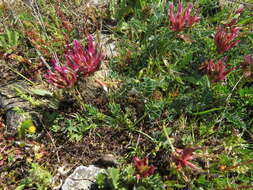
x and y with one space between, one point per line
18 73
168 138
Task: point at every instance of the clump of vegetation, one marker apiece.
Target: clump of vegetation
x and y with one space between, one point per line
178 92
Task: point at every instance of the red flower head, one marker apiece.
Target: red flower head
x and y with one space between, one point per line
181 21
247 67
62 77
84 61
182 157
142 167
216 72
225 36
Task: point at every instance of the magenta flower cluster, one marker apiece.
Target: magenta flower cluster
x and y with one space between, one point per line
62 77
79 61
247 67
182 157
216 71
225 37
182 20
86 62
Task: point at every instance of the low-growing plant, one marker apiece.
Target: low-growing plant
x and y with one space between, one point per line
138 177
182 20
164 104
79 124
26 127
39 178
216 72
79 61
9 41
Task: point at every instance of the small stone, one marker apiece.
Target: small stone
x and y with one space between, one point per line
83 178
133 92
9 101
107 160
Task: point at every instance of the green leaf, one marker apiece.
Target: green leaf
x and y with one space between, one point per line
24 126
113 174
26 123
101 180
20 187
9 41
235 119
140 188
208 111
244 21
12 37
2 41
41 92
139 4
130 170
78 2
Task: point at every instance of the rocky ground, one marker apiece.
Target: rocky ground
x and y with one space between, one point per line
40 154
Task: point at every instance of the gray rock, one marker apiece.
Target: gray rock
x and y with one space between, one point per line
107 160
83 178
90 90
109 46
9 101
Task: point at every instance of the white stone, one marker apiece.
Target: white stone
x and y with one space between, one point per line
83 178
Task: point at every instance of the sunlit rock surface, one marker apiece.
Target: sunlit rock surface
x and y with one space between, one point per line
83 178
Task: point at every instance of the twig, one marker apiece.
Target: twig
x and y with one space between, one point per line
168 138
38 16
18 73
79 98
2 149
138 141
146 135
237 165
239 2
102 84
43 59
52 140
140 119
227 100
229 96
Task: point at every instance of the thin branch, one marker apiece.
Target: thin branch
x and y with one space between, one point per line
244 3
